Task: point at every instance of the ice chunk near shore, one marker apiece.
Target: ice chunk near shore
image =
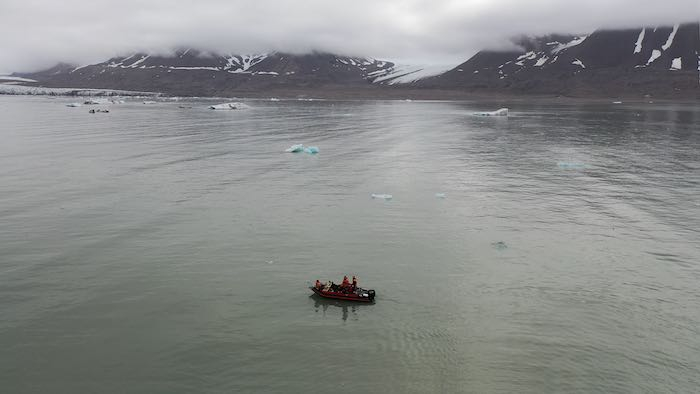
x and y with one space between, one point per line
295 148
382 196
500 112
312 150
228 106
73 105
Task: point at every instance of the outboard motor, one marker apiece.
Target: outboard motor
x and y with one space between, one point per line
371 294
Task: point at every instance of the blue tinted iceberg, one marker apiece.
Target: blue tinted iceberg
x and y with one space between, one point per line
311 150
295 148
570 165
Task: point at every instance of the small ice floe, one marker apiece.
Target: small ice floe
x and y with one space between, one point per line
117 101
312 150
74 105
384 197
500 112
97 111
94 102
228 106
274 99
440 195
570 165
295 148
500 245
617 102
150 102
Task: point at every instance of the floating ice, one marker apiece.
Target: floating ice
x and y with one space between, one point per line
617 102
440 195
383 196
149 102
312 150
228 106
570 165
500 112
295 148
500 245
94 102
73 105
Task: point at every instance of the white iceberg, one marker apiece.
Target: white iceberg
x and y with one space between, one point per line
295 148
73 105
311 150
500 112
228 106
383 196
440 195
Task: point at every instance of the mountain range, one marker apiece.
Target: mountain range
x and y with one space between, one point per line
646 61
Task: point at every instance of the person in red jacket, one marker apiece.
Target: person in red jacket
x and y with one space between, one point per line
318 284
346 283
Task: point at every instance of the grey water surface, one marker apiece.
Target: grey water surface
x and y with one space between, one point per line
161 249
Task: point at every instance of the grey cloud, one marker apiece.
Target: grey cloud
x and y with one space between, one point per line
37 34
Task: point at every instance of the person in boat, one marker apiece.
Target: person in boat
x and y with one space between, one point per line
318 284
354 283
346 283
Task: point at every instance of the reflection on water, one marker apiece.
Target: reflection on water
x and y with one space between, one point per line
347 307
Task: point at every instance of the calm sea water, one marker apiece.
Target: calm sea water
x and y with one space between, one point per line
160 249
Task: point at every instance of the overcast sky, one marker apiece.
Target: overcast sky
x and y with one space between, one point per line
37 34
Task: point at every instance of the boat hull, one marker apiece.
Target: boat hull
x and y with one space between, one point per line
342 296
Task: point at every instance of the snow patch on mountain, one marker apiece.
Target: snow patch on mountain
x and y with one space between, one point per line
136 63
541 61
407 73
677 64
579 63
16 79
528 56
576 41
242 63
640 40
655 54
671 36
